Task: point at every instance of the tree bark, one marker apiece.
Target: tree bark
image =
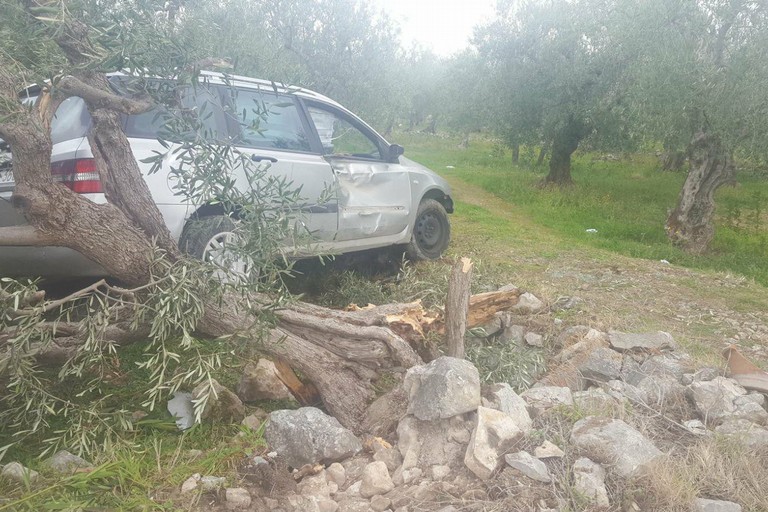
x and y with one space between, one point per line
565 142
672 161
542 155
690 225
457 307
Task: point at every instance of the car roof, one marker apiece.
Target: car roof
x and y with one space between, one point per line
260 84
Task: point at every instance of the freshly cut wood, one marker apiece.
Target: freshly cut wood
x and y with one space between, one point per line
744 371
457 307
305 392
483 306
412 322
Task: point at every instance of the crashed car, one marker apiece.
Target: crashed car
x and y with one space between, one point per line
378 198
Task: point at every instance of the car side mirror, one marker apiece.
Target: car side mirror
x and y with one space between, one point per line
395 151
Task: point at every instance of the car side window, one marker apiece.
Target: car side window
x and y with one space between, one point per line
341 138
187 110
267 120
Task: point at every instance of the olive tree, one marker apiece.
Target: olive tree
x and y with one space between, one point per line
67 47
556 72
700 82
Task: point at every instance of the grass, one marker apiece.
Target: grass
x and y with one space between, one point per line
625 200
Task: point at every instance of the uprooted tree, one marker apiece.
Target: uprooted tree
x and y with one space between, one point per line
162 295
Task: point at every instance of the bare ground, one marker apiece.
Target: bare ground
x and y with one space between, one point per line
704 311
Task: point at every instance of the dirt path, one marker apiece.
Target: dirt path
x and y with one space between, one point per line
701 309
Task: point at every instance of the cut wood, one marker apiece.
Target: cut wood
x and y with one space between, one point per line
457 307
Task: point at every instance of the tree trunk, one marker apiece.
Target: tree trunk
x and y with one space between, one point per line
566 141
542 154
690 225
516 154
457 307
673 161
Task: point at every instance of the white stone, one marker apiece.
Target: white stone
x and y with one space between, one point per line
15 471
190 484
443 388
714 399
503 398
376 480
252 421
237 497
611 441
527 303
309 436
327 506
222 404
66 463
512 334
595 400
548 450
494 433
641 341
753 436
315 485
534 340
696 427
426 443
541 399
440 472
589 482
212 483
336 473
380 503
704 505
528 465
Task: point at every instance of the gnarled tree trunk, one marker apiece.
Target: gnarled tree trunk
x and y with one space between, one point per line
690 225
565 142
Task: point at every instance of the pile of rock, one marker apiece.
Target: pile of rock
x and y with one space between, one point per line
457 436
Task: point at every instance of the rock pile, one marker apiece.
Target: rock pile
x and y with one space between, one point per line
459 440
458 437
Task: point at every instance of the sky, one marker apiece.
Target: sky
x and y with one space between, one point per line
443 25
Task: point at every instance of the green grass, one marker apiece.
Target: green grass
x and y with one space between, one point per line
625 200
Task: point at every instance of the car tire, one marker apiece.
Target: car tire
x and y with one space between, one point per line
431 232
205 239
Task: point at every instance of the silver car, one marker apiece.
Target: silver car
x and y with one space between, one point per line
378 197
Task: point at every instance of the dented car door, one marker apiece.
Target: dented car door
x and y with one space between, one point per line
374 195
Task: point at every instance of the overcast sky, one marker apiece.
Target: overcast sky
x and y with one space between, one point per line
443 25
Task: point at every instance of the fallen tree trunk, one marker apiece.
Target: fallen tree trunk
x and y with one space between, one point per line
340 353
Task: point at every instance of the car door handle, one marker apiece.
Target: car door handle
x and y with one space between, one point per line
261 158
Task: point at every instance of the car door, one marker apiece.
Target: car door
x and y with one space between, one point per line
374 194
273 130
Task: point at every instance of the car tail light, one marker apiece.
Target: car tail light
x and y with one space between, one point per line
78 175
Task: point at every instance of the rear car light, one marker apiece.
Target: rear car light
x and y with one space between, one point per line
78 175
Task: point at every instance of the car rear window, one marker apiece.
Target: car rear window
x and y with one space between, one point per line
71 121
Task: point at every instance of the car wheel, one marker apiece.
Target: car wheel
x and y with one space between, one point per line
212 239
431 232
